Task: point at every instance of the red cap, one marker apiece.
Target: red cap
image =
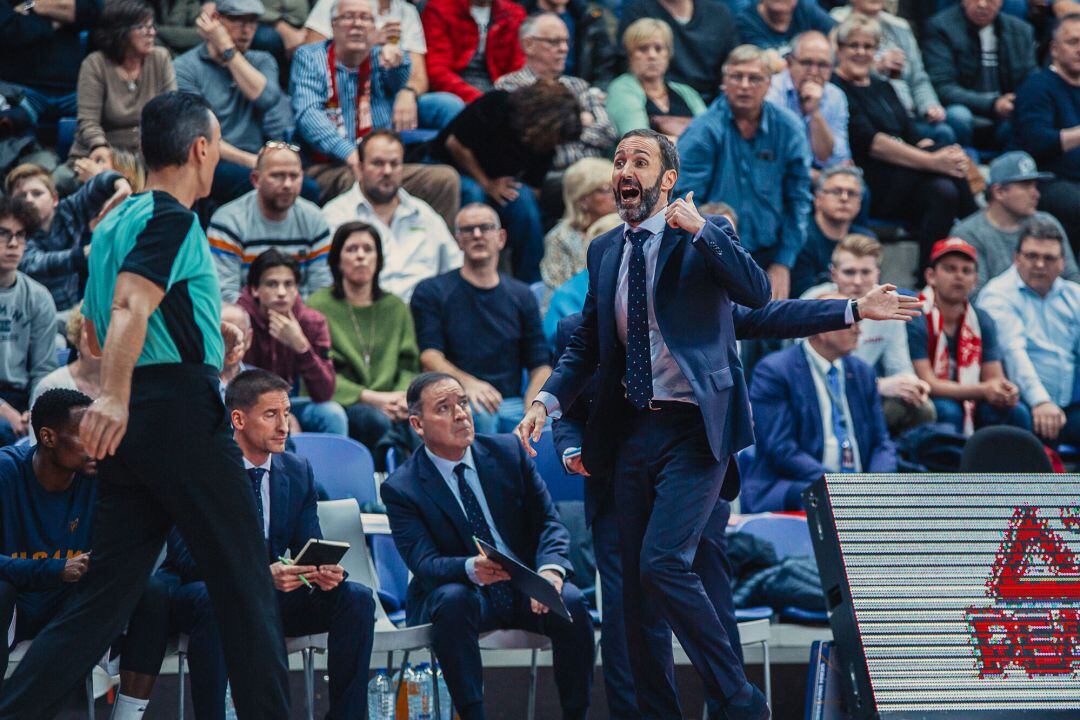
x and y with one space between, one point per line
952 245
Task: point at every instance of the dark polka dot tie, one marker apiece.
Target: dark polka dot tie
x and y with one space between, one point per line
639 390
256 476
502 597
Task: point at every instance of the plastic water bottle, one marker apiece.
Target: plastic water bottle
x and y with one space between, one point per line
230 709
414 678
424 677
403 700
380 697
446 705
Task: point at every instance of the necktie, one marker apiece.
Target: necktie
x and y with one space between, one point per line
840 428
256 476
502 597
639 389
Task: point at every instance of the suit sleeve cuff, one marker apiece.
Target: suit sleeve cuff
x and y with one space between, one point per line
565 459
551 404
556 568
470 570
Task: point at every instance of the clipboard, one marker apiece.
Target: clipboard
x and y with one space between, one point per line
526 581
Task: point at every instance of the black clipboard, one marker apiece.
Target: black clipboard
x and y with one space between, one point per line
526 581
321 552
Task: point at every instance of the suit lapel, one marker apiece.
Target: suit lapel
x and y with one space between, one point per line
279 505
608 282
668 242
808 391
435 487
489 482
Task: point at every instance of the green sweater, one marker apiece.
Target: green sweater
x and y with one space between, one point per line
386 330
626 102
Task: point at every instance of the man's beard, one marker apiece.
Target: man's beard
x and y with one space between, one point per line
378 195
647 200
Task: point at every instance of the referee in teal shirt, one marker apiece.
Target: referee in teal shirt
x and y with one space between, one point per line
161 434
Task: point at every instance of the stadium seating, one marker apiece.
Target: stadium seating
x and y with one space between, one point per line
343 467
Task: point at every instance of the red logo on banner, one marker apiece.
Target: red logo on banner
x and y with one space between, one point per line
1035 581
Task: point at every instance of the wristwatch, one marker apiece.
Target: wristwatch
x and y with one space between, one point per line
855 310
228 54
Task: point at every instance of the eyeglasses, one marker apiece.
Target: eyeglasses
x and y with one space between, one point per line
553 42
823 65
860 47
7 236
1034 258
841 192
355 19
483 228
744 79
146 28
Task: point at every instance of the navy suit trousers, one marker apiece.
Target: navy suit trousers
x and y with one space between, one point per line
460 613
667 484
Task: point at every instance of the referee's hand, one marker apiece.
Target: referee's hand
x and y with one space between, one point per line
103 426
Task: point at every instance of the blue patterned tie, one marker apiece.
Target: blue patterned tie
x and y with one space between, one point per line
256 476
502 597
639 389
840 428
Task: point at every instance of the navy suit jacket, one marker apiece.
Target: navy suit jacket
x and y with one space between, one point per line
777 319
695 285
294 516
434 536
791 440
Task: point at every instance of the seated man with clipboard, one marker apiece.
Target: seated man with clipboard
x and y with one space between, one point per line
477 528
313 595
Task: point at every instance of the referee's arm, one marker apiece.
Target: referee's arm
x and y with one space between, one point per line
105 421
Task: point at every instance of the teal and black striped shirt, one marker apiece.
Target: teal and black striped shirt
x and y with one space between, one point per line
151 234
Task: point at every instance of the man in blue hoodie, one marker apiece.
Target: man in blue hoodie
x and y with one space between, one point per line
47 497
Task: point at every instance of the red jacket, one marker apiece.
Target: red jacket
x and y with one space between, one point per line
452 38
314 367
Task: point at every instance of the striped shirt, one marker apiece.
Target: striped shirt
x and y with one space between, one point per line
239 232
309 88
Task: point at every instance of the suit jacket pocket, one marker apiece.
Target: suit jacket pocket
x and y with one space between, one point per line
721 379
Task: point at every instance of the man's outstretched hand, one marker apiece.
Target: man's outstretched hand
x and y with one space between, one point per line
884 303
530 427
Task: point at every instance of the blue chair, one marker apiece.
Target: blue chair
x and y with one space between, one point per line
790 536
417 136
62 356
393 575
65 135
561 485
343 467
538 289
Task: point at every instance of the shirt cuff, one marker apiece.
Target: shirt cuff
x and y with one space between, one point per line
551 404
470 570
565 459
557 568
849 315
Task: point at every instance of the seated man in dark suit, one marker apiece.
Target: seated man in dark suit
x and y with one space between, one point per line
816 411
462 486
283 488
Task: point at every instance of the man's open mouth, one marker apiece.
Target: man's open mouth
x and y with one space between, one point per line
629 193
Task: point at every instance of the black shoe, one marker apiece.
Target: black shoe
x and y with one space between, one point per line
753 709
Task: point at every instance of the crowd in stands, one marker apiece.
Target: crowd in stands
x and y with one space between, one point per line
407 188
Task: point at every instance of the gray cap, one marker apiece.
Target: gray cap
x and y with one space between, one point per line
1014 167
237 8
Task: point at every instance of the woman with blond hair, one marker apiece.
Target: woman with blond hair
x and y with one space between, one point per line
644 97
569 296
587 197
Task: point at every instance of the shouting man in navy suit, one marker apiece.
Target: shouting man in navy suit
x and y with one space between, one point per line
670 409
